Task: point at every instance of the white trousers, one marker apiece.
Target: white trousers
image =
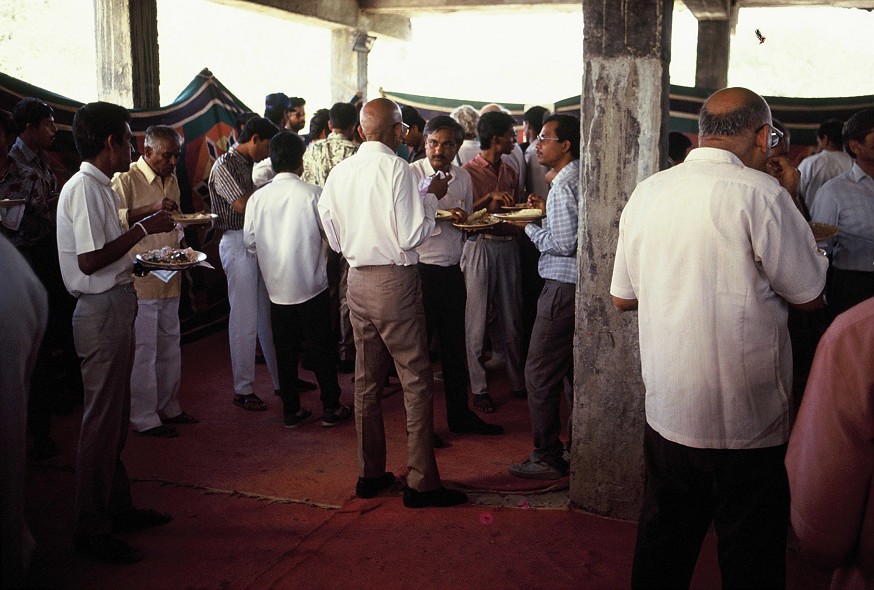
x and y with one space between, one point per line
250 313
157 367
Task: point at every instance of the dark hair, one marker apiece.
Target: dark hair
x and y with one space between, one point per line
319 123
412 117
286 151
534 117
8 126
445 122
257 126
858 127
491 125
832 128
678 144
241 120
748 116
30 111
567 129
275 107
343 115
295 101
96 121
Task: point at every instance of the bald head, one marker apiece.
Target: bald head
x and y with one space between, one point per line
737 120
492 108
379 121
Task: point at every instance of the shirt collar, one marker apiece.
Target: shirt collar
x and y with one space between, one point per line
25 150
714 155
95 172
572 168
146 170
857 173
375 147
285 175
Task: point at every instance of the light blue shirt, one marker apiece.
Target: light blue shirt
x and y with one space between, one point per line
847 201
557 238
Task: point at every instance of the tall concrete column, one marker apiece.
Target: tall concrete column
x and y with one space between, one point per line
624 124
714 45
348 67
127 52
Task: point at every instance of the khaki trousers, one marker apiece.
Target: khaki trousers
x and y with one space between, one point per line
388 323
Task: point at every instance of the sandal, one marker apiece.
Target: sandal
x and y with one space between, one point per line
250 402
483 402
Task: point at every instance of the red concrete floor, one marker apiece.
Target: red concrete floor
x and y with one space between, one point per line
258 506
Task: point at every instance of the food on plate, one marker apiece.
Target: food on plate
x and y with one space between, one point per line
523 214
479 218
189 217
168 255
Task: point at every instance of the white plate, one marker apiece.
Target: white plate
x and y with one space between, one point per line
443 215
193 218
490 223
516 217
199 257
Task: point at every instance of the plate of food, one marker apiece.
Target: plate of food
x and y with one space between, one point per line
443 215
477 220
11 202
527 214
167 258
823 231
515 207
192 218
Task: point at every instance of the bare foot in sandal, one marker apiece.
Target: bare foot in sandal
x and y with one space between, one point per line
483 402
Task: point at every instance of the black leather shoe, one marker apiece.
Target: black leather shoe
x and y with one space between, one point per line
439 498
107 549
439 443
476 425
368 487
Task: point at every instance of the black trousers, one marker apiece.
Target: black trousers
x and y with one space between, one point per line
745 493
444 297
291 324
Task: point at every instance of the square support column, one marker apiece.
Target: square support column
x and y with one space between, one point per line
127 52
624 132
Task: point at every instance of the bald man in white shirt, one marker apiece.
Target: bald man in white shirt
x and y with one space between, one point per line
372 213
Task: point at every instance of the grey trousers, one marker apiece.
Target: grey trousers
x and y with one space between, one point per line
388 321
492 276
550 362
103 329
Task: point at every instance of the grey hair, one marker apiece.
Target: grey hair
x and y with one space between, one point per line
468 118
155 134
748 116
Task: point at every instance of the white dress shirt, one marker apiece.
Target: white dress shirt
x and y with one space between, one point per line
87 221
262 173
818 169
443 248
467 151
283 230
712 251
371 209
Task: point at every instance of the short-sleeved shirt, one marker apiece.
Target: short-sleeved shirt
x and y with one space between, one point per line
136 188
713 251
88 220
229 180
322 155
818 169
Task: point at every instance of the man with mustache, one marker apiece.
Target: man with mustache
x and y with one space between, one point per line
443 291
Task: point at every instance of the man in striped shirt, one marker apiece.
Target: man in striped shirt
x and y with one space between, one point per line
230 186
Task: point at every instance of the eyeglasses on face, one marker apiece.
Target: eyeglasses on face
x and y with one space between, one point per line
541 137
775 136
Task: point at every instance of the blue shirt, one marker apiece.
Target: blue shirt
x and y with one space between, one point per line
847 201
557 238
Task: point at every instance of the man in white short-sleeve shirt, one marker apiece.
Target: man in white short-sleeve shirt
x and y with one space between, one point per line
92 250
711 254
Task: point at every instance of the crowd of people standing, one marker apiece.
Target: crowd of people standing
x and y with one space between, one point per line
348 251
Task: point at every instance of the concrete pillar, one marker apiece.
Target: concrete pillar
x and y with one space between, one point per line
714 45
127 52
348 67
624 116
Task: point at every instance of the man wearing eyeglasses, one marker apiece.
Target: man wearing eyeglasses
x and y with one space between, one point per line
550 353
712 254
